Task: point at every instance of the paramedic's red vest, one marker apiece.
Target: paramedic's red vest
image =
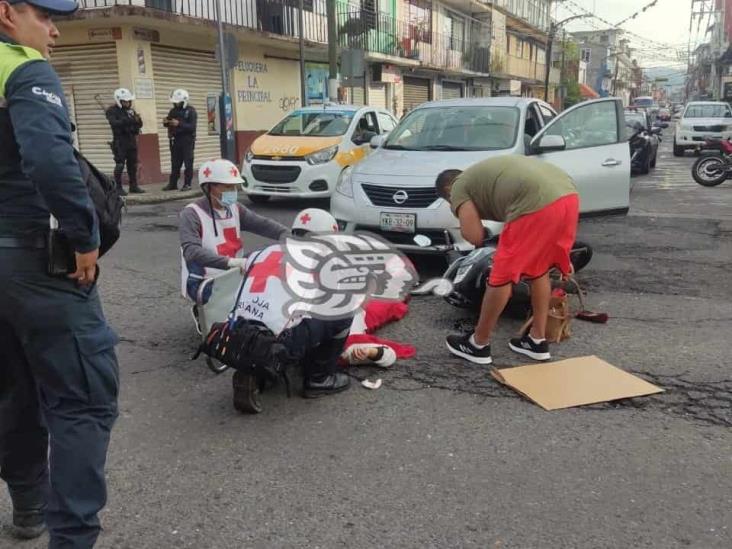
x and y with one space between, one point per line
228 242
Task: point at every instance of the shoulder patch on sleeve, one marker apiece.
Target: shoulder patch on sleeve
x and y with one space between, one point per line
12 57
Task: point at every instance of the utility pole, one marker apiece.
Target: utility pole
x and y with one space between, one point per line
226 137
562 85
615 78
332 49
303 92
552 29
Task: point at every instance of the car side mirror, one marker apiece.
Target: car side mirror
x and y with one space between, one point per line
366 137
549 143
377 141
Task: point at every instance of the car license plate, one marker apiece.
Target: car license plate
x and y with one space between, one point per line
398 222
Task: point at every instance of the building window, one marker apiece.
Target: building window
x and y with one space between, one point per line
540 56
586 54
419 16
603 39
519 47
454 29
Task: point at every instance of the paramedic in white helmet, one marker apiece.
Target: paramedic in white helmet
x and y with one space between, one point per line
181 123
126 125
315 343
211 228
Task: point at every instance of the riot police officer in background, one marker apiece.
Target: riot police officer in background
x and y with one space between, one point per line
126 124
58 370
181 123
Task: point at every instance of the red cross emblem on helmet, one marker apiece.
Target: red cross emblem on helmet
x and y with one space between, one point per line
234 171
207 172
305 219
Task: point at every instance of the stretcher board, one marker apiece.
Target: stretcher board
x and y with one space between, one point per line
224 290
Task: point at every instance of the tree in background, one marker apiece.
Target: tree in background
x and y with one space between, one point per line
570 74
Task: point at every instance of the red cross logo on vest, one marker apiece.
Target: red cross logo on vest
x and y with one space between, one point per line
261 272
231 243
305 219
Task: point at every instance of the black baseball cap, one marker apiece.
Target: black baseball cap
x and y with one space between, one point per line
56 7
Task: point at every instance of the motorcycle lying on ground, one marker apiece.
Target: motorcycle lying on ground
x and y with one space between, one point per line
467 274
713 169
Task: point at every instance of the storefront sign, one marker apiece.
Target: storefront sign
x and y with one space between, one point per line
316 82
105 35
252 92
144 88
390 74
148 35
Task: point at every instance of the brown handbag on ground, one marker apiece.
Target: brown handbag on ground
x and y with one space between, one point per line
560 314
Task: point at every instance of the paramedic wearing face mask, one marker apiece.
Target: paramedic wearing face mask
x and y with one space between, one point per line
211 227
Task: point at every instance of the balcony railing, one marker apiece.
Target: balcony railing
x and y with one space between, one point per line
534 12
525 68
275 16
381 33
357 28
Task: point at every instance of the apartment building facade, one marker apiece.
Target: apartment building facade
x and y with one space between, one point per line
609 64
520 34
413 51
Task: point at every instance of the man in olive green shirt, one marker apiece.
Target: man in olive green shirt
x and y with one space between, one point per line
540 206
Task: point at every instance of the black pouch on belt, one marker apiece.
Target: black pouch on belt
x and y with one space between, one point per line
61 257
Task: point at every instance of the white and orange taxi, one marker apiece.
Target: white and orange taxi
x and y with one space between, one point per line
304 154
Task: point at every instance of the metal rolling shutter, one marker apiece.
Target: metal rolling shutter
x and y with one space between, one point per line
416 92
86 71
377 95
198 73
452 90
357 96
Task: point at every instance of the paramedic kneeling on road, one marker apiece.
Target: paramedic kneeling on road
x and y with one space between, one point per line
210 228
314 343
540 205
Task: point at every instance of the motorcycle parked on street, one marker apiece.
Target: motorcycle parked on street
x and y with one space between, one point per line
644 144
713 169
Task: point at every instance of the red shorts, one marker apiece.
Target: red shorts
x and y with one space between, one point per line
533 244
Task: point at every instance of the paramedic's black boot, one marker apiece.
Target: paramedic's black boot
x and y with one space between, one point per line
326 384
136 189
28 524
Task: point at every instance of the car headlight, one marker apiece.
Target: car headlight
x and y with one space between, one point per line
249 156
322 156
345 182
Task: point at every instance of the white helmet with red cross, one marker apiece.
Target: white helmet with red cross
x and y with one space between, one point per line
314 220
219 171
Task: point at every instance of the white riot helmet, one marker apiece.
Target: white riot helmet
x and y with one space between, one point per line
123 94
179 96
314 220
219 171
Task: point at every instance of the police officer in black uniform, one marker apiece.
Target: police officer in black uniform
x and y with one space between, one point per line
58 370
126 125
181 123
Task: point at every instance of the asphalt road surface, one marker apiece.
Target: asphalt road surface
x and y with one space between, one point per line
441 455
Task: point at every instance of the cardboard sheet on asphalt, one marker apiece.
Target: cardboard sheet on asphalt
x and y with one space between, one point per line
573 382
